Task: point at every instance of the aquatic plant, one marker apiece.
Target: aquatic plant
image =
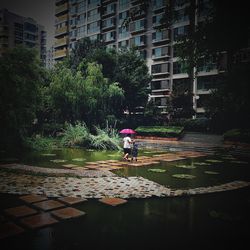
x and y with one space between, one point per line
186 166
75 135
184 176
105 139
157 170
210 172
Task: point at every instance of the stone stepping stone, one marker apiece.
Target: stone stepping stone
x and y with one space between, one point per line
72 200
112 201
91 163
31 198
67 213
69 165
20 211
48 205
92 166
9 229
37 221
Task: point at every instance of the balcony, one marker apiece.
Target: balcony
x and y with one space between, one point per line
61 31
108 24
160 53
109 10
62 18
61 9
61 42
60 53
160 37
138 26
160 69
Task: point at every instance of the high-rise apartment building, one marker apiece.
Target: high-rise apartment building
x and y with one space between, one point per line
16 30
103 19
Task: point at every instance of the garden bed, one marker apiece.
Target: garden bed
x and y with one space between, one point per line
159 133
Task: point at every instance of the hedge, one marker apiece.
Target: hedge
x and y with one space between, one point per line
160 131
237 135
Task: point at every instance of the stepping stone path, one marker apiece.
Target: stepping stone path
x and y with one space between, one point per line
30 217
113 201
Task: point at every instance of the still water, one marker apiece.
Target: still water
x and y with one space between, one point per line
202 221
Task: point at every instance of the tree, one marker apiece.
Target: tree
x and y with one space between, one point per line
132 75
87 97
21 77
229 105
84 48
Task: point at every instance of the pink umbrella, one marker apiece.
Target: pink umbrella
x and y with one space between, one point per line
127 131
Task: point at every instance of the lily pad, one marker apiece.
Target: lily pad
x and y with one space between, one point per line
184 176
239 162
185 166
214 161
58 160
157 170
78 159
202 164
48 154
210 172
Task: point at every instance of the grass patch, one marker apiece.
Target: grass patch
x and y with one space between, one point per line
160 131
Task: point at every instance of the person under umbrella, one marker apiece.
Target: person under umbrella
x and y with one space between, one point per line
127 147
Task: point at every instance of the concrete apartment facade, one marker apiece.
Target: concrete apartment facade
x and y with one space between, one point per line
16 30
102 19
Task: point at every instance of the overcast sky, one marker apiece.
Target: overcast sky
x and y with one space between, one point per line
40 10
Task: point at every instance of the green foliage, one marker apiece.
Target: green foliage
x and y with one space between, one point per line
85 97
239 135
159 131
229 105
40 143
75 135
105 139
132 74
21 78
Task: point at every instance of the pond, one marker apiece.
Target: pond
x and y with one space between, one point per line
211 220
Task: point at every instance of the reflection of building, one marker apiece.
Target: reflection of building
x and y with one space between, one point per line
15 30
102 19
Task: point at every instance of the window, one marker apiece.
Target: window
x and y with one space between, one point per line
81 19
123 4
158 52
159 36
180 31
110 8
138 25
179 68
94 27
30 27
123 32
108 22
122 16
109 36
157 19
180 16
93 3
138 41
93 15
82 6
123 44
160 68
